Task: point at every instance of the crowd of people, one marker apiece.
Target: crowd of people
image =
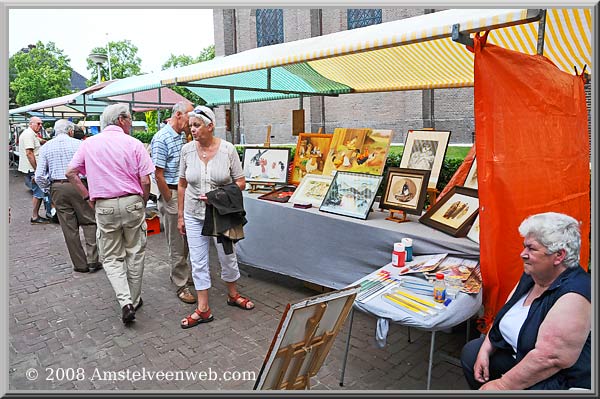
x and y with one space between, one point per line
102 185
540 339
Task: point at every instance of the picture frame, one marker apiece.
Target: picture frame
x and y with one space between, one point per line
312 189
454 212
351 194
310 155
303 339
266 165
358 150
473 233
282 194
426 149
471 179
405 190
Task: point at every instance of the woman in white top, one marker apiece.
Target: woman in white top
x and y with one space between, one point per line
207 163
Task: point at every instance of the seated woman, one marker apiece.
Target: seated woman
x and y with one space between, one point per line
540 338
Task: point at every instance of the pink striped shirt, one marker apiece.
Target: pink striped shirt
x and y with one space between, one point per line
113 162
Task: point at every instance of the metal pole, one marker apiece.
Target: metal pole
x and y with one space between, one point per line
108 54
431 346
98 68
541 33
232 114
347 348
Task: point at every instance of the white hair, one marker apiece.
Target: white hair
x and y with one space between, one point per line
111 114
63 126
555 231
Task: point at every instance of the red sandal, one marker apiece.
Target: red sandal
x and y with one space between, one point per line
233 301
204 317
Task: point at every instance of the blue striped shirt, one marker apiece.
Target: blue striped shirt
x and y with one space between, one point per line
166 150
54 158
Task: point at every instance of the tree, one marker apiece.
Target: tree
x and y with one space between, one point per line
124 62
38 73
176 61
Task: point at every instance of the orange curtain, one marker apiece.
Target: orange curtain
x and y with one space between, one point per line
533 156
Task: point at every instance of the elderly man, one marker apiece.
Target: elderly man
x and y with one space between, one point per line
29 147
72 210
166 150
118 169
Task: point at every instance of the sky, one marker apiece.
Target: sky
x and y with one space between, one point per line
157 33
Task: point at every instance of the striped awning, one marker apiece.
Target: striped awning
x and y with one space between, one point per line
408 54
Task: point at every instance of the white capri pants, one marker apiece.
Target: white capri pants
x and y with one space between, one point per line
199 245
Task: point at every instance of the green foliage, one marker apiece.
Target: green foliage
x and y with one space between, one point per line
124 62
144 137
176 61
42 73
152 121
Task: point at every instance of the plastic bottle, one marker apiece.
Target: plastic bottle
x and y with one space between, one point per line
439 288
398 255
408 242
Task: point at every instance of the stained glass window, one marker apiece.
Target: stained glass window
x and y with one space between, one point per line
269 26
359 17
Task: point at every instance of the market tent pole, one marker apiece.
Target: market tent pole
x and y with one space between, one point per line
541 33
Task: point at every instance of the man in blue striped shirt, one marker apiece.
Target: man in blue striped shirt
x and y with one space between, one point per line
166 150
71 209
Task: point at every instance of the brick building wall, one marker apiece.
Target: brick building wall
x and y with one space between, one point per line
399 111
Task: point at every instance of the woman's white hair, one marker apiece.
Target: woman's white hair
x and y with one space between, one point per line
111 114
555 231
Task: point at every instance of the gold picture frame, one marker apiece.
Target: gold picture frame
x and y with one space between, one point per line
310 155
312 190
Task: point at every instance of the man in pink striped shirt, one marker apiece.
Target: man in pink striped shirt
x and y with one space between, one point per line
118 170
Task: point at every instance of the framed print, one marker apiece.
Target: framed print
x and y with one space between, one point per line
473 233
471 180
306 333
425 149
266 165
351 194
312 189
282 194
454 212
358 150
311 150
405 190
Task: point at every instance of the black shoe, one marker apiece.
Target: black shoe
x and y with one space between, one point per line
82 270
94 267
139 305
128 314
39 220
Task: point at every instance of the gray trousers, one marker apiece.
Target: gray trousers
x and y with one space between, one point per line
122 244
72 212
181 271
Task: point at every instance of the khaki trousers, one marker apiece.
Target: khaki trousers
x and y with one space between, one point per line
181 271
72 212
122 244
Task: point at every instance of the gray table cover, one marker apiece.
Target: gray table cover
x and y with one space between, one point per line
462 307
333 250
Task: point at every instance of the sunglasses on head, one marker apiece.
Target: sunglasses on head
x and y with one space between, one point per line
200 112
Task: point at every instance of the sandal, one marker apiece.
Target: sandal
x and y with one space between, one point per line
233 301
204 317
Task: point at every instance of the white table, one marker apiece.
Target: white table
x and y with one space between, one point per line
463 307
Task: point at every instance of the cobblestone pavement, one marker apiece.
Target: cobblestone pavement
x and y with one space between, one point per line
66 327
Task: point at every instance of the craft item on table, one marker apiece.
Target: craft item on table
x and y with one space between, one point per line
408 243
413 303
473 283
422 263
454 268
404 305
282 194
398 255
427 302
303 205
370 288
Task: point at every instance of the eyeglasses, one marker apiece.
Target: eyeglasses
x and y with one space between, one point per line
124 116
200 112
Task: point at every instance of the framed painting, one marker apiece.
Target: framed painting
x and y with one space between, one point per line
454 212
303 339
405 190
473 233
351 194
358 150
282 194
425 149
311 151
266 164
312 189
471 180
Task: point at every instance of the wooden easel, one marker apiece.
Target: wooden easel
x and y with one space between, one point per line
267 142
432 194
320 130
397 216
